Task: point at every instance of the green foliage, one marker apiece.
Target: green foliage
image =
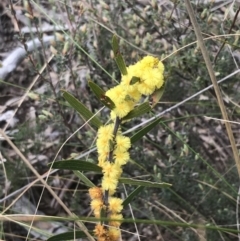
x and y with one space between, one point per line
82 110
100 94
138 111
190 151
118 57
76 165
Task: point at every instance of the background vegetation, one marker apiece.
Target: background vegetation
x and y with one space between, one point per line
189 148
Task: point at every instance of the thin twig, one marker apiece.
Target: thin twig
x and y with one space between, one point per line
40 178
230 30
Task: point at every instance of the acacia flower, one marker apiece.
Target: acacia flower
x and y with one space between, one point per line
97 213
122 108
102 158
109 184
123 143
105 135
95 193
132 71
133 93
145 89
121 158
117 93
115 204
106 131
100 230
103 145
149 70
114 234
112 170
97 204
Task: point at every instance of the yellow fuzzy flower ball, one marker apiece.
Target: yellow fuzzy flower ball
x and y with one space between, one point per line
123 143
112 170
114 234
117 94
97 204
121 158
115 204
102 158
123 108
104 136
150 72
106 131
100 230
109 184
95 192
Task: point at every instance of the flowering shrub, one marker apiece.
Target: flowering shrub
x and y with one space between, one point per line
142 78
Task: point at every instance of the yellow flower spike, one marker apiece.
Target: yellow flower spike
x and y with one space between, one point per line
115 204
148 74
95 193
123 143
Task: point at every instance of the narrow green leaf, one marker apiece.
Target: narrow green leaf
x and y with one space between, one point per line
76 165
84 179
157 95
69 236
144 131
132 195
100 94
174 223
144 183
115 45
138 111
134 80
118 57
82 109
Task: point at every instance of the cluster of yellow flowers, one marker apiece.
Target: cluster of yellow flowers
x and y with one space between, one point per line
112 170
112 233
148 74
143 78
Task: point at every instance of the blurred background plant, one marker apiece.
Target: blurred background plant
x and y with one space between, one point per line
188 149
